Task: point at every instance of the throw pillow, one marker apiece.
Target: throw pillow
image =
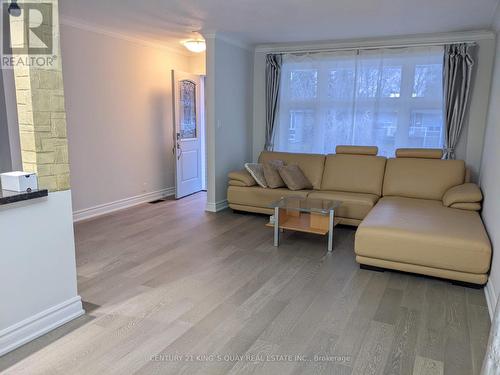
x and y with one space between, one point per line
294 177
272 174
257 172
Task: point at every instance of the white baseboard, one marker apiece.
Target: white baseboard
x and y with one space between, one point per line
491 298
217 206
37 325
107 208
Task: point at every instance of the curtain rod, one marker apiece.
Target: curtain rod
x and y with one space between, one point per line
391 46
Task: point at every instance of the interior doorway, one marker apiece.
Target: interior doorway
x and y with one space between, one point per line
189 133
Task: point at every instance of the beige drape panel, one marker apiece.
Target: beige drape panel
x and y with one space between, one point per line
273 77
457 71
491 364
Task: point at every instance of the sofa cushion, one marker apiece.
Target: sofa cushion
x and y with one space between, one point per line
422 178
357 150
236 183
354 205
259 197
272 174
354 173
242 176
425 153
311 164
467 206
465 193
294 178
425 233
257 172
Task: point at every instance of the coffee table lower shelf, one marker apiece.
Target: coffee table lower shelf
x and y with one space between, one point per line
304 222
301 224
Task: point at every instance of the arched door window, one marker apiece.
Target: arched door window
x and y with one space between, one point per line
187 109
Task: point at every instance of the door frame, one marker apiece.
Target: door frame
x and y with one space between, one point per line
203 133
200 128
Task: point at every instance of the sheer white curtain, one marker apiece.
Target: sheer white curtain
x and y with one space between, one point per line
390 98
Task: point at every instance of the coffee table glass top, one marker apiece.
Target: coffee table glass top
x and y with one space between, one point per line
295 203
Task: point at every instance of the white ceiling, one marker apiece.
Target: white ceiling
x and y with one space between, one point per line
278 21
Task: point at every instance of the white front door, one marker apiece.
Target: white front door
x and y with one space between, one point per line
187 133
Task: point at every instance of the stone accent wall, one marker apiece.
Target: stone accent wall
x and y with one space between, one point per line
42 119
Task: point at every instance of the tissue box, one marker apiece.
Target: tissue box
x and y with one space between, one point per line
19 181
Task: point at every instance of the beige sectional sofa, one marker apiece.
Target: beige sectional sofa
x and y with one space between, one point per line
415 213
353 175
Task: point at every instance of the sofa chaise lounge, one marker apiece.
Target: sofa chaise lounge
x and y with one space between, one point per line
415 213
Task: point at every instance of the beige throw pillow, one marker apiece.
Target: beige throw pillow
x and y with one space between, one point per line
272 174
257 172
294 177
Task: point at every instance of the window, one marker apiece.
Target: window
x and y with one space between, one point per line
187 110
389 98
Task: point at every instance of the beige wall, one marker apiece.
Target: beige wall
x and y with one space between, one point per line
119 107
197 64
229 114
471 144
490 180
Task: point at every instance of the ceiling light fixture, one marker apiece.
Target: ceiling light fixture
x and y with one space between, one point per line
196 46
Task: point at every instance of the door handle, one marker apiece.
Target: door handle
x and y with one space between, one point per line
179 153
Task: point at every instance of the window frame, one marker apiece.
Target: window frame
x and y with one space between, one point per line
404 105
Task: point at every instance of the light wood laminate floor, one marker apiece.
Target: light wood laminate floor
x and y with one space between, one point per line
171 289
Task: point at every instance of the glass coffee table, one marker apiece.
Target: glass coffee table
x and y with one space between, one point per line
309 215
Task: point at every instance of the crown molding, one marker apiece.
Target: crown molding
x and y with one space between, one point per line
466 36
77 24
228 39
